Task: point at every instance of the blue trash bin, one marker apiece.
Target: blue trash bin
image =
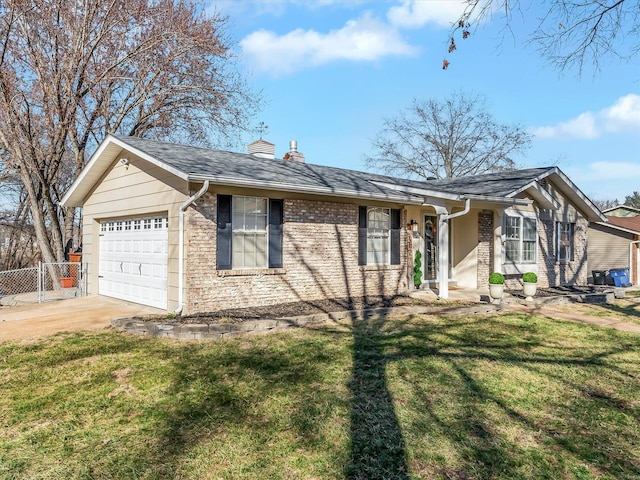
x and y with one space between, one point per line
620 277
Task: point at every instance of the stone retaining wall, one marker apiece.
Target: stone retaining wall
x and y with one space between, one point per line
203 331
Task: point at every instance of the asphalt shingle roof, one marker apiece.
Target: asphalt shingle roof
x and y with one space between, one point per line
208 163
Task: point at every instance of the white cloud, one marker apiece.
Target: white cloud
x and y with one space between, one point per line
599 171
363 39
622 116
416 14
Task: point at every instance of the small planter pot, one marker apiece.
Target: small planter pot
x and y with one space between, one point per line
66 282
496 290
529 290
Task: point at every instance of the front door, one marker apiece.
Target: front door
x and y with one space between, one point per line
430 247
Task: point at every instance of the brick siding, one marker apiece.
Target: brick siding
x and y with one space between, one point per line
485 247
320 260
553 273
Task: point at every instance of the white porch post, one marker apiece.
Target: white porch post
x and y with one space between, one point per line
443 244
443 255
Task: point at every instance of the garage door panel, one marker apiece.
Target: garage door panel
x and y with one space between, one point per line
133 260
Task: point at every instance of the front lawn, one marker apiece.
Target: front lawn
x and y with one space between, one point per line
424 397
626 309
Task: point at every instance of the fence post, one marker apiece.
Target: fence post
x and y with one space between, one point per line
40 282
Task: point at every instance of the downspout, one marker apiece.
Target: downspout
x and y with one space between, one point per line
183 207
443 226
633 269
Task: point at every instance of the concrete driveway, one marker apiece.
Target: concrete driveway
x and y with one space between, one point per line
72 315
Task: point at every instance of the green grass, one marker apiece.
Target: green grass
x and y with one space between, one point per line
422 397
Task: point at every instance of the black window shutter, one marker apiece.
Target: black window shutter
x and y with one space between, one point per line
362 235
395 237
275 233
224 233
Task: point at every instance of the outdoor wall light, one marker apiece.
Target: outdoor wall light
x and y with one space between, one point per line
413 225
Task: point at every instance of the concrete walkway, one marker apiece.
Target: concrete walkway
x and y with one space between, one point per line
72 315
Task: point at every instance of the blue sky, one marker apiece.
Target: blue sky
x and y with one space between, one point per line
331 71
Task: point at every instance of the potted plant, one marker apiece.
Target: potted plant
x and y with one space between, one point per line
417 270
529 281
496 286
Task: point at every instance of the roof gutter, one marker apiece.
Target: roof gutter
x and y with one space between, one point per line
183 208
234 182
500 200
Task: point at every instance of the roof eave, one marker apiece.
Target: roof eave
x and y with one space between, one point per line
425 192
234 182
499 200
617 227
98 164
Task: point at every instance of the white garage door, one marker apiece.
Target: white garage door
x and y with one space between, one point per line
133 260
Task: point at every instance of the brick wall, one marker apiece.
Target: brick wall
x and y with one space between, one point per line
320 260
552 273
485 247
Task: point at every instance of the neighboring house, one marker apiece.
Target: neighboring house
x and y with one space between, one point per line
615 244
622 211
191 229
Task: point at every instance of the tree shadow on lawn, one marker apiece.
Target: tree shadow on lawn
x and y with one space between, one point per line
377 445
274 392
571 439
221 386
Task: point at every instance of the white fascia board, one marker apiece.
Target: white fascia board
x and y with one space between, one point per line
551 203
90 167
100 161
234 182
500 200
580 197
145 156
420 191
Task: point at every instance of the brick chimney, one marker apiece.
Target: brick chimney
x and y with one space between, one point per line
293 153
261 148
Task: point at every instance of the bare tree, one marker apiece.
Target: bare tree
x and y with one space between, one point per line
446 139
603 204
571 33
73 71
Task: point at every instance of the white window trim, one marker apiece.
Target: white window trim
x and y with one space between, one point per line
243 231
387 260
520 267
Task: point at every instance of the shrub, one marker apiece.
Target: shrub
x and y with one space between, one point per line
530 277
496 278
417 270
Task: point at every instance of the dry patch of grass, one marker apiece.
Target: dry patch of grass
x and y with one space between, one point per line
500 397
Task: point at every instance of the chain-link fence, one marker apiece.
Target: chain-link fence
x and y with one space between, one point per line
47 281
23 283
